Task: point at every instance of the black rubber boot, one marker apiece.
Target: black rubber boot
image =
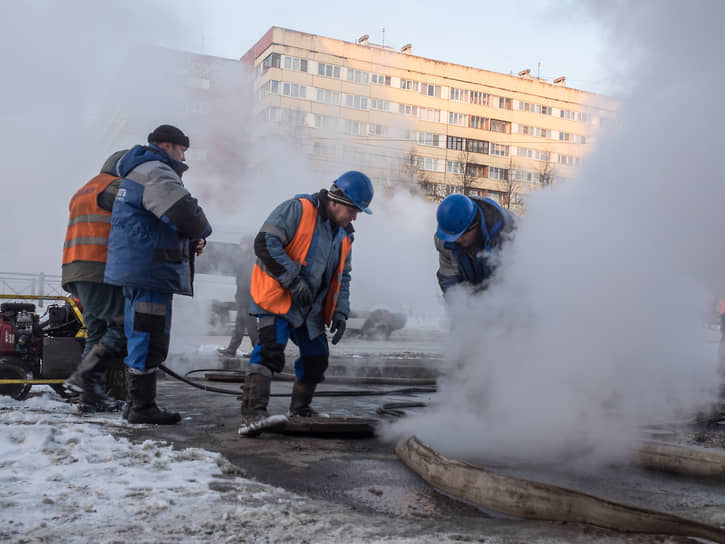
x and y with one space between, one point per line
299 405
255 398
142 401
89 380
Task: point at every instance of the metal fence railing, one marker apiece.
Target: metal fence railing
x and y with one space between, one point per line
20 283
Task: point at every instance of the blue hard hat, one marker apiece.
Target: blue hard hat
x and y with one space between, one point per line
455 214
357 187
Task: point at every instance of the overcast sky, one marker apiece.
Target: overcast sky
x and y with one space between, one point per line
552 38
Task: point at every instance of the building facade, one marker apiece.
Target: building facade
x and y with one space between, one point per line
449 127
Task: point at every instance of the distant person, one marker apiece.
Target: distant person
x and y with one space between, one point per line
84 263
243 298
301 283
470 230
157 228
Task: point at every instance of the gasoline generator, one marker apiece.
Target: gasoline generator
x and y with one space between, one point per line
44 349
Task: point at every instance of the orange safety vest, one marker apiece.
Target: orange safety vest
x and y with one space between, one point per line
89 225
269 294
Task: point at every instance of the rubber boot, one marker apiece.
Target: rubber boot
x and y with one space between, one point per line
299 405
142 400
89 381
255 398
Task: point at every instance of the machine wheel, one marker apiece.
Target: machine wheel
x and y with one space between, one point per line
18 391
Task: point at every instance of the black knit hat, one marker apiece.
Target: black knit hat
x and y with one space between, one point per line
170 134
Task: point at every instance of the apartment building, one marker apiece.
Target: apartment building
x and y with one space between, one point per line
452 128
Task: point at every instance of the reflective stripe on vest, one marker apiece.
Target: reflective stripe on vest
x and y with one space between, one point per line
87 236
269 294
336 283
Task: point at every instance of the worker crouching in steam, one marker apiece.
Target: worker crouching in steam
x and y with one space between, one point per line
470 231
300 283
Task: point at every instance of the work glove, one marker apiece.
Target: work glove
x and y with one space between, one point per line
338 326
300 292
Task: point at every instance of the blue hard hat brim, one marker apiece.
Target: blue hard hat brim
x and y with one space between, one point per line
447 236
366 210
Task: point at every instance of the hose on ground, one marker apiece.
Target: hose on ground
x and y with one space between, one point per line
396 409
351 393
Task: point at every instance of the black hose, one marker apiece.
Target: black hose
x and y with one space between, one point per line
198 386
342 380
396 408
353 393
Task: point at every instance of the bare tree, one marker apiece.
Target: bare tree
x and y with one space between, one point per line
467 172
411 171
512 187
547 172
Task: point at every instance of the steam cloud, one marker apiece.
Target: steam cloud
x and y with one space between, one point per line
597 322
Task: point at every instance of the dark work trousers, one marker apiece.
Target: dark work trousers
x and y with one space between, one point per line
274 332
147 322
102 314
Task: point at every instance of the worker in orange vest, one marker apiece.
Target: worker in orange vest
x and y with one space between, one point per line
84 263
300 284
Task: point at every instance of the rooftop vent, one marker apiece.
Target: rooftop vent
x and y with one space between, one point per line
560 80
363 39
407 48
525 73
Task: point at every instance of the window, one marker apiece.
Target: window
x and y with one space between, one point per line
427 114
426 138
525 175
354 128
499 150
458 95
533 154
356 101
427 163
379 104
459 119
325 122
295 63
455 167
356 76
504 103
477 170
500 126
497 173
269 87
454 142
380 79
477 146
328 97
478 97
294 90
328 70
409 84
271 61
478 122
430 90
407 109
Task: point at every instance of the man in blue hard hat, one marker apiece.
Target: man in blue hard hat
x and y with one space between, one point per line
470 231
300 284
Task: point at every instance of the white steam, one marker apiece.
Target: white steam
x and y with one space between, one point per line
596 323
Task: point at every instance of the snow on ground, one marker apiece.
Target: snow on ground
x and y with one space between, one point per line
65 477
